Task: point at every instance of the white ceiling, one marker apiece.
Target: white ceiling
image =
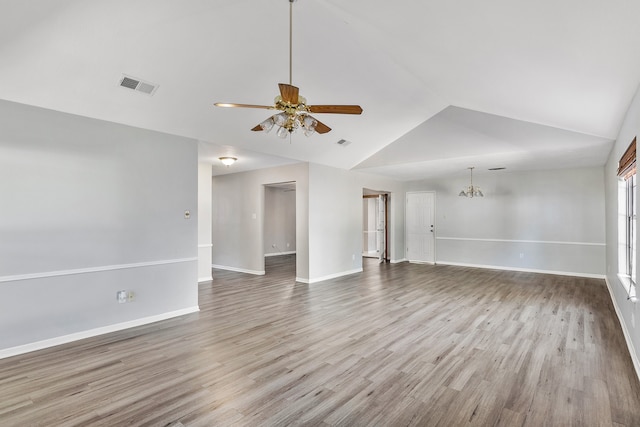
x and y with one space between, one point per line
444 85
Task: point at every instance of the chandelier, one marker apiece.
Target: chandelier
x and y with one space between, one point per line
471 191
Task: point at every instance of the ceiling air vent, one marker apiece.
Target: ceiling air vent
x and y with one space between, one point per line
343 142
138 85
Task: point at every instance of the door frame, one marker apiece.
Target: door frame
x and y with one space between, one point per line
386 196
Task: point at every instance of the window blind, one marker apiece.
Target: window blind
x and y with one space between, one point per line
627 163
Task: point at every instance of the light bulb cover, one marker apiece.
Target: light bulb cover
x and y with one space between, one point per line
227 160
282 132
267 125
280 119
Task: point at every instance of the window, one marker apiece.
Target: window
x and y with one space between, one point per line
627 219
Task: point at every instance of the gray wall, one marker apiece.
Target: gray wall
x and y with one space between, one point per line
88 208
238 218
328 219
549 221
628 311
336 220
279 221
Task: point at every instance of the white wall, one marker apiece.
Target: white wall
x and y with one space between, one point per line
88 208
238 218
336 220
628 311
204 222
550 221
279 221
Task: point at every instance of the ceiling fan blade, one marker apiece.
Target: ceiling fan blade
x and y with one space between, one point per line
228 105
256 128
336 109
289 93
321 127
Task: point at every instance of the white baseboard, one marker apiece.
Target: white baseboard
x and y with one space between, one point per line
397 261
205 279
51 342
625 331
238 270
280 253
525 270
329 277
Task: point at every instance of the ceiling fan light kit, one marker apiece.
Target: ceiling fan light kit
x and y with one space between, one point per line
294 109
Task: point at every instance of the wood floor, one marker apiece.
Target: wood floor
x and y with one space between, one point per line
397 345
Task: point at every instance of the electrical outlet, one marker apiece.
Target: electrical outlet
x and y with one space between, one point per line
121 297
521 255
130 296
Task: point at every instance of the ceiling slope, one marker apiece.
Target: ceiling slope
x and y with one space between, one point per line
570 66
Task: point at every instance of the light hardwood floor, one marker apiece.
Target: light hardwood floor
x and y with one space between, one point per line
397 345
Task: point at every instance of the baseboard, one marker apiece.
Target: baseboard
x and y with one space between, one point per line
397 261
205 279
332 276
238 270
625 331
525 270
280 253
64 339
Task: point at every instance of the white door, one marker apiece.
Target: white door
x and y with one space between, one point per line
420 223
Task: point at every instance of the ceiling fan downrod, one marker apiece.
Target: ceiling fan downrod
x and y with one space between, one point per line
291 42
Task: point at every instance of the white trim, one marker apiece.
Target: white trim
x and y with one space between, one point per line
205 279
51 342
625 331
205 245
526 270
396 261
546 242
628 285
333 276
279 253
93 269
238 270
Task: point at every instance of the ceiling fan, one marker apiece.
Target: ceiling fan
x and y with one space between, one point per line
294 110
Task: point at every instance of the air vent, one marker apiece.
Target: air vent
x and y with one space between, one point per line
496 169
138 85
343 142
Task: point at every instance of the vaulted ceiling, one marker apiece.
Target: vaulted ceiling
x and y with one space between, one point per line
443 84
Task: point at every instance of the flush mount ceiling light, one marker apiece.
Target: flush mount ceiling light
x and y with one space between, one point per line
294 110
471 191
227 161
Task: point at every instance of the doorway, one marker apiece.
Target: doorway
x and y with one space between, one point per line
375 220
420 226
279 226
